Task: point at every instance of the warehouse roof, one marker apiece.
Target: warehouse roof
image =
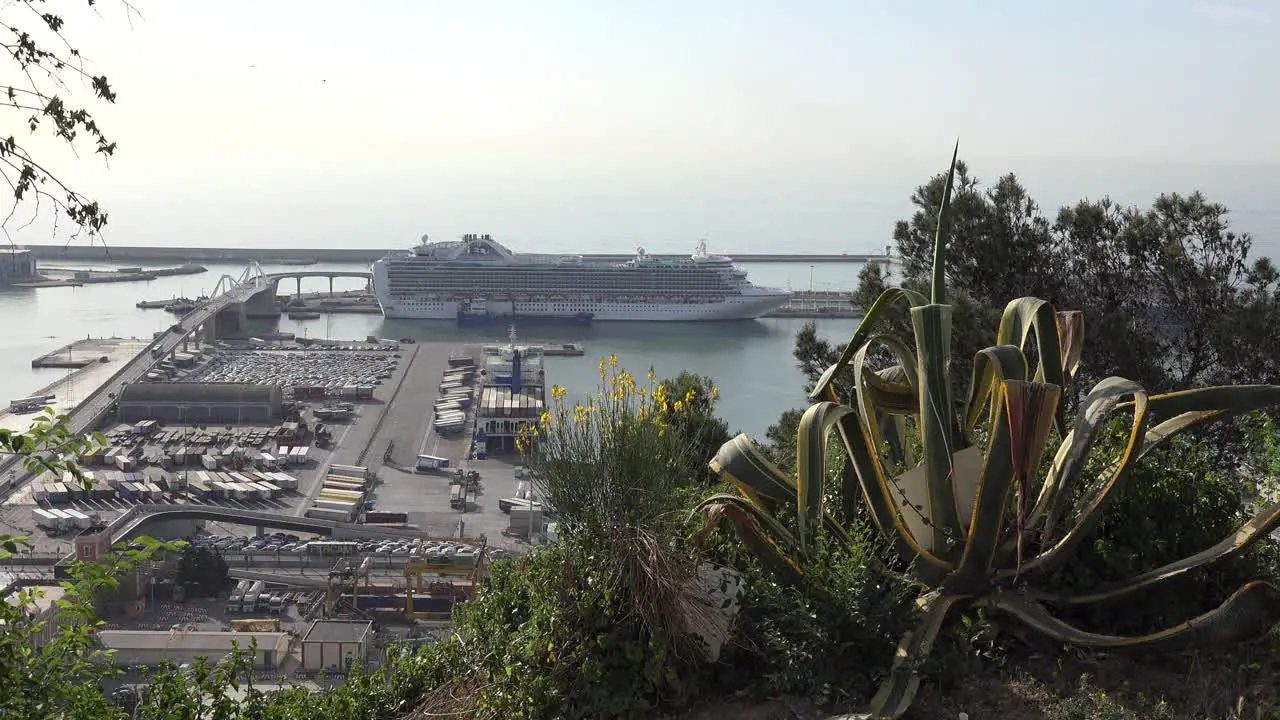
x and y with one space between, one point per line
177 392
338 631
189 641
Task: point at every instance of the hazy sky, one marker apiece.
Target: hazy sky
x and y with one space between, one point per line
574 125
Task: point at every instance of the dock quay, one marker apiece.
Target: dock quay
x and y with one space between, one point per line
84 352
297 256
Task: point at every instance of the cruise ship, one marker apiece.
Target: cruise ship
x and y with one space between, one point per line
476 278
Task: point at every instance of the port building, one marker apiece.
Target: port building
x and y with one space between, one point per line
181 645
17 264
187 403
336 644
513 395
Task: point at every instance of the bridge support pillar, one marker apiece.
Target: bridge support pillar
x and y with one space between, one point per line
297 296
330 286
261 305
231 322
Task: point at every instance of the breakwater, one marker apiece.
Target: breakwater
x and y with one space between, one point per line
125 253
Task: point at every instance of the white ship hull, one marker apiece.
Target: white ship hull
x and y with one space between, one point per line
742 307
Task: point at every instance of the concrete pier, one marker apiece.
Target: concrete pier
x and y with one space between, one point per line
74 387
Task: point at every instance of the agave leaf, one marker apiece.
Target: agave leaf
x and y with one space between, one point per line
1248 614
743 463
991 366
893 428
1239 541
1155 438
1033 410
749 522
811 466
939 288
899 689
1084 523
998 474
889 300
881 505
939 432
1231 398
885 397
1021 318
1071 341
871 389
1060 485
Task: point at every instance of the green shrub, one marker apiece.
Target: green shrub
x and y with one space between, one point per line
551 638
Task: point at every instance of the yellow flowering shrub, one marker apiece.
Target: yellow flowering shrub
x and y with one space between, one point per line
611 458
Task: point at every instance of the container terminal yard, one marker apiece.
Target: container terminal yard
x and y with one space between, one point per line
356 490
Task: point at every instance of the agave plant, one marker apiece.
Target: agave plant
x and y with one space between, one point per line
975 514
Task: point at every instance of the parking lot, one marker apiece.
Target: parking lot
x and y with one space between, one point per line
353 365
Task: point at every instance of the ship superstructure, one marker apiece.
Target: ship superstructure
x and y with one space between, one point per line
477 278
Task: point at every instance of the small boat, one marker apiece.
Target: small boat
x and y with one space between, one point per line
181 306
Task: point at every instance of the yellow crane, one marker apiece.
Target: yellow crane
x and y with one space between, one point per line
417 567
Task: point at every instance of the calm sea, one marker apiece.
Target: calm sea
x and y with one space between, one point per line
751 361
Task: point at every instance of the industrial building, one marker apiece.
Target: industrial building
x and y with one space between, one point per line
16 265
180 646
192 403
336 644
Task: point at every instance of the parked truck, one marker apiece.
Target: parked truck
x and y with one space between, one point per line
432 462
251 598
236 600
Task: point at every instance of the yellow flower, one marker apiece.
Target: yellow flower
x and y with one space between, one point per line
677 406
651 375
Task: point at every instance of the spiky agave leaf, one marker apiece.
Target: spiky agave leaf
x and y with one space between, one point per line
898 690
1068 467
1070 342
1024 318
773 546
1237 542
890 301
1033 409
1248 614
